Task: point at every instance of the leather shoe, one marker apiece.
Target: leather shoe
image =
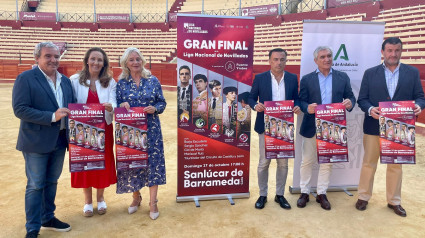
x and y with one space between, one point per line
303 200
282 202
261 202
323 200
398 209
361 205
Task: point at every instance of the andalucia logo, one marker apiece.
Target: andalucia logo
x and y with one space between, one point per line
342 54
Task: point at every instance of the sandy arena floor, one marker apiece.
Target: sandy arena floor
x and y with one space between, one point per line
214 218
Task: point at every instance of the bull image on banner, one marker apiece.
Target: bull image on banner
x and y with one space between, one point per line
86 137
131 141
397 132
279 129
214 78
331 133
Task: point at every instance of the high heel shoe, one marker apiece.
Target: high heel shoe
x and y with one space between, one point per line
133 209
153 215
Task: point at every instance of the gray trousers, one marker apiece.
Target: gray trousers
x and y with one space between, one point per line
263 171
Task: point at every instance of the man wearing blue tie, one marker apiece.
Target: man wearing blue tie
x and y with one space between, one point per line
390 81
40 99
274 85
322 86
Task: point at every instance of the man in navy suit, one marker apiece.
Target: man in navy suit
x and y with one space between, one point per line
274 85
390 81
322 86
40 98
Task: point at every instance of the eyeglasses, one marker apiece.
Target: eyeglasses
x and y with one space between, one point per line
183 74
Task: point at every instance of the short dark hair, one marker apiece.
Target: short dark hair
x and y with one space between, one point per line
277 50
229 89
392 41
200 76
184 67
214 83
243 96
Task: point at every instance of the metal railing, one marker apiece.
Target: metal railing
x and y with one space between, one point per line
286 7
6 15
76 17
150 17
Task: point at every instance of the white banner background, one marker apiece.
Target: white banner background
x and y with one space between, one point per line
362 42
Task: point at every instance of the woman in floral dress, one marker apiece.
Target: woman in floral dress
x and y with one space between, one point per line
138 88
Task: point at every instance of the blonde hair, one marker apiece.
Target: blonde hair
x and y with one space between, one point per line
123 62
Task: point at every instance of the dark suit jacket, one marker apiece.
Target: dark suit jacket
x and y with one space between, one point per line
34 103
374 90
310 93
262 91
188 98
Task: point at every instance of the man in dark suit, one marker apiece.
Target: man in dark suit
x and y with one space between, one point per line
274 85
184 95
40 99
390 81
322 86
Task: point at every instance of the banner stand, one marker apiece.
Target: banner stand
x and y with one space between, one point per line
196 199
214 62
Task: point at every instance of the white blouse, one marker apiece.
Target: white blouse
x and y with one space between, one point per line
105 94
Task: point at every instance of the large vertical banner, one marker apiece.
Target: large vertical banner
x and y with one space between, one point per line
214 74
397 132
356 47
86 137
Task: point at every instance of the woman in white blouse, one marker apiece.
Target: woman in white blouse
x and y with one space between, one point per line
95 85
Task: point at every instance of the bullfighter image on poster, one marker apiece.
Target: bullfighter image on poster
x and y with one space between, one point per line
131 141
397 132
279 138
331 133
86 137
214 73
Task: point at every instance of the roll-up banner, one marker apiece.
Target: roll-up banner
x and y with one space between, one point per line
86 137
356 47
214 77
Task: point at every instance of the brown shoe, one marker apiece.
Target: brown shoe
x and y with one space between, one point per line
361 205
398 209
323 200
303 200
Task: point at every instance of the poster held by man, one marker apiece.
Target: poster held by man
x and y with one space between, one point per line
397 135
279 141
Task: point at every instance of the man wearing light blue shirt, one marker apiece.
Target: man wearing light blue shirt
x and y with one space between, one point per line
390 81
322 86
